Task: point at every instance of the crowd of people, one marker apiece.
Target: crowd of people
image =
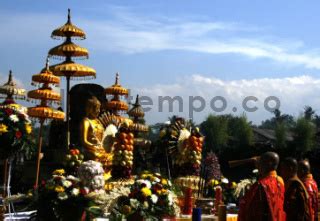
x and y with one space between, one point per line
292 196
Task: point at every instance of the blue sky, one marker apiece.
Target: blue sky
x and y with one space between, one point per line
238 48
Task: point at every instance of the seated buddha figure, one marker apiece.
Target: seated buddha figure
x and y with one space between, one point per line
92 134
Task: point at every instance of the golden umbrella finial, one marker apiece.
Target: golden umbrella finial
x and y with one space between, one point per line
42 111
69 15
117 78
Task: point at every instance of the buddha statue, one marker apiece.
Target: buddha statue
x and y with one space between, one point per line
92 134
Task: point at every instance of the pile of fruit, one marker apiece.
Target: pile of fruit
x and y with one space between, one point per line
188 160
123 155
73 159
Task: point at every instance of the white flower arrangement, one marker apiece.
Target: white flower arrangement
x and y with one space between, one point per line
242 187
224 180
75 192
66 183
91 175
154 198
14 118
146 182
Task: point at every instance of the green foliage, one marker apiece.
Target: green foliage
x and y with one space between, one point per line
241 132
281 135
286 119
215 130
304 138
226 131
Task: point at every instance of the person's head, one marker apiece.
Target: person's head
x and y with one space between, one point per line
93 108
303 168
288 168
268 162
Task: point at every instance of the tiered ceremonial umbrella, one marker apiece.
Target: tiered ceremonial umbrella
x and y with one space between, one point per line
136 113
42 111
11 92
69 68
116 106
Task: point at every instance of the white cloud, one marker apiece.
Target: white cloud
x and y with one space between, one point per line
293 92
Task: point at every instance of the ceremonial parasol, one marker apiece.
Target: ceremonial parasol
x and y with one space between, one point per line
116 106
43 112
10 91
69 68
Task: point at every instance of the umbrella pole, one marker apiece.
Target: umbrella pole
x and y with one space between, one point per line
5 176
68 112
39 153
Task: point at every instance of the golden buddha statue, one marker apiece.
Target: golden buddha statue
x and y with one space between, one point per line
92 134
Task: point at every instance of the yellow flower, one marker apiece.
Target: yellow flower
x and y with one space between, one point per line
59 172
146 191
3 128
233 185
28 128
59 189
164 191
164 181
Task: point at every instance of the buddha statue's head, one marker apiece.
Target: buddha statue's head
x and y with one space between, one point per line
93 106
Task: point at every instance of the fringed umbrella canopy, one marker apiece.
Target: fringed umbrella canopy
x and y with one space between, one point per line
137 127
46 77
11 90
117 89
44 94
45 113
73 70
69 48
68 30
117 105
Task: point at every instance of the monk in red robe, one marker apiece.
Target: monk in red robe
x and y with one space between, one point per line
264 201
296 201
304 173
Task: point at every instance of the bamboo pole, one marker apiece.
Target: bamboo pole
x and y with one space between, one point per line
39 153
5 176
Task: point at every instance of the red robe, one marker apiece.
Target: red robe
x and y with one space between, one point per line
264 201
312 190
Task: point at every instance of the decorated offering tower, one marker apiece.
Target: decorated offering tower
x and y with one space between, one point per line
183 146
139 129
42 111
69 50
136 113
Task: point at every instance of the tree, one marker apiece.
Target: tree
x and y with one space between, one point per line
308 112
278 117
241 132
281 136
215 130
304 138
